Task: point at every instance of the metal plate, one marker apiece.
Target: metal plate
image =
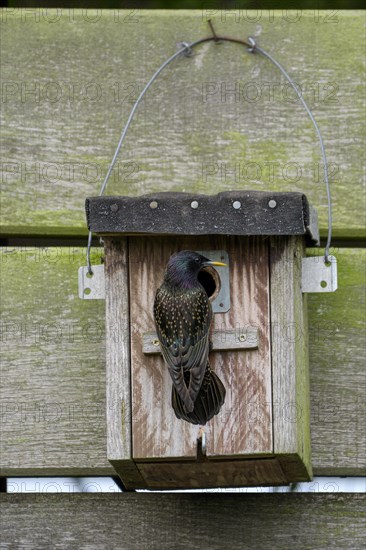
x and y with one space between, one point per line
92 287
317 276
220 304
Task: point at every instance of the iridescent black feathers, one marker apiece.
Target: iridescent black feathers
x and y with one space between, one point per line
183 316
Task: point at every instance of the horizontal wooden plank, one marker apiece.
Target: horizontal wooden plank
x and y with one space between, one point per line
53 368
245 338
273 521
220 120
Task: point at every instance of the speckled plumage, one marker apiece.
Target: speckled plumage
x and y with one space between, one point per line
183 316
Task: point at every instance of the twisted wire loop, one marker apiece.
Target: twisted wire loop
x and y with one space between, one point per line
186 49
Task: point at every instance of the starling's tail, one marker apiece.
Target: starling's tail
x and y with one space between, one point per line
208 402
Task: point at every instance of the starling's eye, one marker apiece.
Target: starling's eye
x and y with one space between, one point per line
197 260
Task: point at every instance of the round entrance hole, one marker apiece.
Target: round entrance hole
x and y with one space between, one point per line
210 280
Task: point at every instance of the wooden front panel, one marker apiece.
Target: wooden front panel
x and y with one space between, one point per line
244 424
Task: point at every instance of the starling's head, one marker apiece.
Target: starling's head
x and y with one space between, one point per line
183 268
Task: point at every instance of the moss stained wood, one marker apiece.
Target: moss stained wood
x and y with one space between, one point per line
220 120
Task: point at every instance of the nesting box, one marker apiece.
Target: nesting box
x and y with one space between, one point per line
260 347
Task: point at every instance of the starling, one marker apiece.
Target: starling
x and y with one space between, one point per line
183 316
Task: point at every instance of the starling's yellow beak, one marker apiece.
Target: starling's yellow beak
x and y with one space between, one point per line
215 263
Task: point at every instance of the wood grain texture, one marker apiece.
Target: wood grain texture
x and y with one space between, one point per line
244 422
53 368
218 521
118 379
213 473
290 364
118 360
220 120
337 356
245 425
221 340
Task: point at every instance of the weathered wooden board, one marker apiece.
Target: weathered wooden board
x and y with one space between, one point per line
290 361
118 358
223 119
221 340
151 521
212 474
227 434
53 373
337 355
53 366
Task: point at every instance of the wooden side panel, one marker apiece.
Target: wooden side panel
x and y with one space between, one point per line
118 373
244 423
291 395
117 350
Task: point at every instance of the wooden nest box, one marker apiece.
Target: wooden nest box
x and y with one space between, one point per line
260 339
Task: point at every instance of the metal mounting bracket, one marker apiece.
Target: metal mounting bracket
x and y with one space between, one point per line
91 287
221 301
318 275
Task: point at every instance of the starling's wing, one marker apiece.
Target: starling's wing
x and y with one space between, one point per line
182 324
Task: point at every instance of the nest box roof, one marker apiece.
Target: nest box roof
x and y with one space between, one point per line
227 213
